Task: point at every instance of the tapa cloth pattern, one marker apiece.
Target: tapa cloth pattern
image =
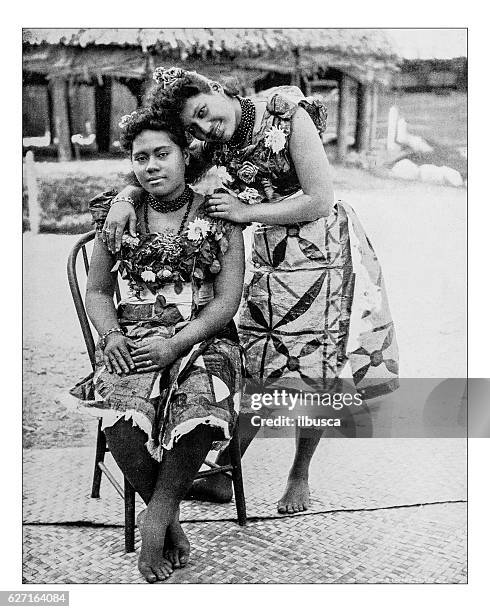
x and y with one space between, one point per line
314 297
202 387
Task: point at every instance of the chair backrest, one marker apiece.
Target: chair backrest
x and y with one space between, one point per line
71 268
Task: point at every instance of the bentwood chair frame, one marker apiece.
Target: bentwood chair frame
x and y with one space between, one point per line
233 470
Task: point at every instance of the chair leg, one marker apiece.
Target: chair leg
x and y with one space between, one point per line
100 450
236 474
129 515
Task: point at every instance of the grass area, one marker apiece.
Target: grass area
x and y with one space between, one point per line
441 119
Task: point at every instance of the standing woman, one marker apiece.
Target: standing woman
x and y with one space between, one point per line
314 298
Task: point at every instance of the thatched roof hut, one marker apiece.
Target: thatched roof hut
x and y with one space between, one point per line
258 58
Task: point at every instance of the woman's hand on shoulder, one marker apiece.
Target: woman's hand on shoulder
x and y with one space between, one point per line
121 215
223 205
117 357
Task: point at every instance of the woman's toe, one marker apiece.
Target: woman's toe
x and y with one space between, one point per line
163 572
147 572
183 558
175 559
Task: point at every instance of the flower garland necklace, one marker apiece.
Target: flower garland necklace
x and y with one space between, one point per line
153 202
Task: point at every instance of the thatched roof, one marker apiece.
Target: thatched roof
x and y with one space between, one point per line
244 42
366 53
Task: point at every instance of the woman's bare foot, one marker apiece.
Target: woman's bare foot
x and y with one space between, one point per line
153 528
177 547
296 497
216 489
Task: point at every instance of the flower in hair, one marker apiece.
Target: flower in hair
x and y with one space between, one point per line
125 119
167 76
275 139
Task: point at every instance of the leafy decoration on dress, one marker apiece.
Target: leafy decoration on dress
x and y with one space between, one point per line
153 260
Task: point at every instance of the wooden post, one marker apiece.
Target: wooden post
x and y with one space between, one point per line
51 114
103 112
363 116
61 118
401 131
32 194
392 124
296 76
343 118
374 116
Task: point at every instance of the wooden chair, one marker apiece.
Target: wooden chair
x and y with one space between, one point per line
127 492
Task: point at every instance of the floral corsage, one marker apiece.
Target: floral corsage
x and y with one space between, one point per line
150 261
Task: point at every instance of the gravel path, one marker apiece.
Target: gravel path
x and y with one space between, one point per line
418 231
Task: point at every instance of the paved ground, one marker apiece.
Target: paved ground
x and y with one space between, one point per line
419 233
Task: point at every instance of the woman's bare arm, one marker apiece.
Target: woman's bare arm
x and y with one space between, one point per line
99 302
313 171
101 282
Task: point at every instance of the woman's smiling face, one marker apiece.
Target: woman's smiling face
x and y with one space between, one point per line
210 117
158 163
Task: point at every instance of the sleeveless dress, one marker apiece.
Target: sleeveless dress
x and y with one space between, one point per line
314 296
201 387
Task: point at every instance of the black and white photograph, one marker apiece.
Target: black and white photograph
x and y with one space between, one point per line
244 318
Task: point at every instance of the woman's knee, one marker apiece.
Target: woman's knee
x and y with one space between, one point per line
124 438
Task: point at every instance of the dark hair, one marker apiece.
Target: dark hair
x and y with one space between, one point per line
175 86
149 118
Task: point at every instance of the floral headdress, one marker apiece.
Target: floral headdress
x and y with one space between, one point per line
125 119
168 76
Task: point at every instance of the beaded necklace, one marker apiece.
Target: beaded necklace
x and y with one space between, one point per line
246 125
148 200
170 205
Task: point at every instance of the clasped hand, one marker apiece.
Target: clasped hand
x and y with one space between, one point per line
122 355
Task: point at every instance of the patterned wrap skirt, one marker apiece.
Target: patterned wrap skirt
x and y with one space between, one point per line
314 299
201 388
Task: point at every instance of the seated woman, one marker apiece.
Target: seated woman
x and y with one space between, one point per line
168 371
